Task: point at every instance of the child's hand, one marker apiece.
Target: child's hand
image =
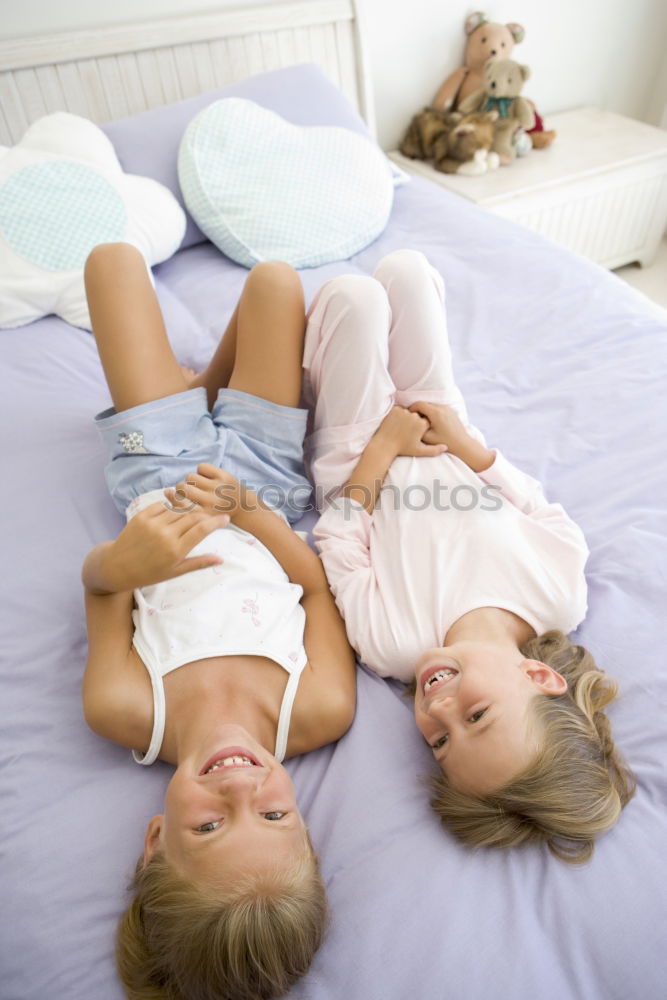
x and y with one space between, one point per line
152 547
406 433
210 489
446 428
444 425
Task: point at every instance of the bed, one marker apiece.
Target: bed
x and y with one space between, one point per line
561 363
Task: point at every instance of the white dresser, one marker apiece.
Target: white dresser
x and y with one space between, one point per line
600 189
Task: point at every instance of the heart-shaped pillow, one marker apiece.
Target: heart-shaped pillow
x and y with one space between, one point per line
63 191
264 189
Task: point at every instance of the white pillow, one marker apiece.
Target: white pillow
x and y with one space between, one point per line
264 189
63 191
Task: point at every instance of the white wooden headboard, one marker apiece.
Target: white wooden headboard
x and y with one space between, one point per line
104 74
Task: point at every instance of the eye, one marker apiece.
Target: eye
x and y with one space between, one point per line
476 716
502 44
274 815
440 743
484 40
208 827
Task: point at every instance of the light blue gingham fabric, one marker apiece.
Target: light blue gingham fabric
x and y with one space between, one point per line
52 213
264 189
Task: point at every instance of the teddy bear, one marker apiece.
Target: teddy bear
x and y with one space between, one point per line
456 143
503 81
485 40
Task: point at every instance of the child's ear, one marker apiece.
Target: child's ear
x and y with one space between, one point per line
548 680
152 838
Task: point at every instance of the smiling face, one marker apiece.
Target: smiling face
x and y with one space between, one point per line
229 810
472 705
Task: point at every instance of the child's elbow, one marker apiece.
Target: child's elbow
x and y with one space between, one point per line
102 707
341 710
94 711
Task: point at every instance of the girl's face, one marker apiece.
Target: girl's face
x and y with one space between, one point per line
230 808
472 705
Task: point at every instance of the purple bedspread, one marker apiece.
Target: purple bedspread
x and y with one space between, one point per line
565 368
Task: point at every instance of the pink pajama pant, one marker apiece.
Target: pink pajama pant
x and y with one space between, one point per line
372 343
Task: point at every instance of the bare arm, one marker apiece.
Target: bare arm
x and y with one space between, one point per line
328 687
400 433
447 429
116 694
152 547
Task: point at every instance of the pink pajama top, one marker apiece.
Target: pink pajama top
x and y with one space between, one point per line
443 541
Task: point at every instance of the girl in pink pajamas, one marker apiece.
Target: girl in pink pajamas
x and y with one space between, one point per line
454 573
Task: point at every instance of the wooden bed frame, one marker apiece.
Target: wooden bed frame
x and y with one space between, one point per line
109 73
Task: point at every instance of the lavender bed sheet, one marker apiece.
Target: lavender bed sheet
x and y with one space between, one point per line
565 368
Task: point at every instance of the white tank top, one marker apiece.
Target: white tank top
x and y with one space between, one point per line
244 607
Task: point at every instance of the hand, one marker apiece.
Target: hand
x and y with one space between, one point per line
152 547
210 489
406 432
446 427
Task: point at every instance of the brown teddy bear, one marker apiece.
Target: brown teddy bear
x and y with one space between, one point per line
485 40
456 143
503 81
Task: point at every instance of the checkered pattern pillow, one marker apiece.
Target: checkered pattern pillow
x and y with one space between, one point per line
62 192
264 189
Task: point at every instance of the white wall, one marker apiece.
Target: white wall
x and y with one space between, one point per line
610 53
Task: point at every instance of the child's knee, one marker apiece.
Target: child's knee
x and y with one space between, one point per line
105 254
408 274
408 267
276 278
356 294
107 258
402 263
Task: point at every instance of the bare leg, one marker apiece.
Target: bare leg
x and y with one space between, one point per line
137 358
270 328
273 320
219 369
260 353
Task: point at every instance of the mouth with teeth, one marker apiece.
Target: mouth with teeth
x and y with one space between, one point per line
228 759
436 677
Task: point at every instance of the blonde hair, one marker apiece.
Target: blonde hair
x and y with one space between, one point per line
577 784
179 940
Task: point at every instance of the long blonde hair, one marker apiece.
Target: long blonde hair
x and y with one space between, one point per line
180 940
576 786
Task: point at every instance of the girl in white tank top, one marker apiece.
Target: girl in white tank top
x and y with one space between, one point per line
214 641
